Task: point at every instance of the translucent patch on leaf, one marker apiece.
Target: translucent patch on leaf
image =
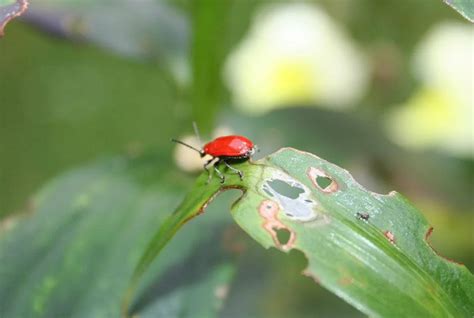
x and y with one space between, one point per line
322 180
293 197
269 209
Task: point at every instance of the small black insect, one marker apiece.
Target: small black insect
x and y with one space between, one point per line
363 216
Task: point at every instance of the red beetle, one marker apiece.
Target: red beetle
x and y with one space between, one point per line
226 149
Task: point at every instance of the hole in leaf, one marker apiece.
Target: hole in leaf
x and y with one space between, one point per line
285 189
427 240
283 236
323 182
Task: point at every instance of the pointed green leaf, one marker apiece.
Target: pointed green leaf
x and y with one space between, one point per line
464 7
10 9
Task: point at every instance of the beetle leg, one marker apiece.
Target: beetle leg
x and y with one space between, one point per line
207 169
219 173
240 173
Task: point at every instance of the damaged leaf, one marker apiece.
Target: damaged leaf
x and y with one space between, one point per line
372 250
10 9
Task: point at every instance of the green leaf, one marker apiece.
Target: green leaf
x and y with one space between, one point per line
464 7
209 20
194 204
150 30
371 250
6 2
217 25
74 256
10 9
201 299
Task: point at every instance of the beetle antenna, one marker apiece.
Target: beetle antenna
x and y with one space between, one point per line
189 146
196 132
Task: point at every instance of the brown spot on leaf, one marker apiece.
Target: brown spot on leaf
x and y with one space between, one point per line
11 11
322 180
427 240
345 281
269 209
389 235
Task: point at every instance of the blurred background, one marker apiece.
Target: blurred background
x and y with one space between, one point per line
383 89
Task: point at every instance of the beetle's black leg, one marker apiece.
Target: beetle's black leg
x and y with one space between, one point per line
219 173
240 173
207 169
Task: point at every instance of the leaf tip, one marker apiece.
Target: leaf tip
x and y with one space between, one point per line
11 11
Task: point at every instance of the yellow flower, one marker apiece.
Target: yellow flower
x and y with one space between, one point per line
441 114
295 54
424 119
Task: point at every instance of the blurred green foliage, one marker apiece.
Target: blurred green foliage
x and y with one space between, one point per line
90 228
63 104
49 122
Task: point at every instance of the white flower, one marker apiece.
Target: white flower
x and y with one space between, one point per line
187 159
446 57
441 114
294 54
